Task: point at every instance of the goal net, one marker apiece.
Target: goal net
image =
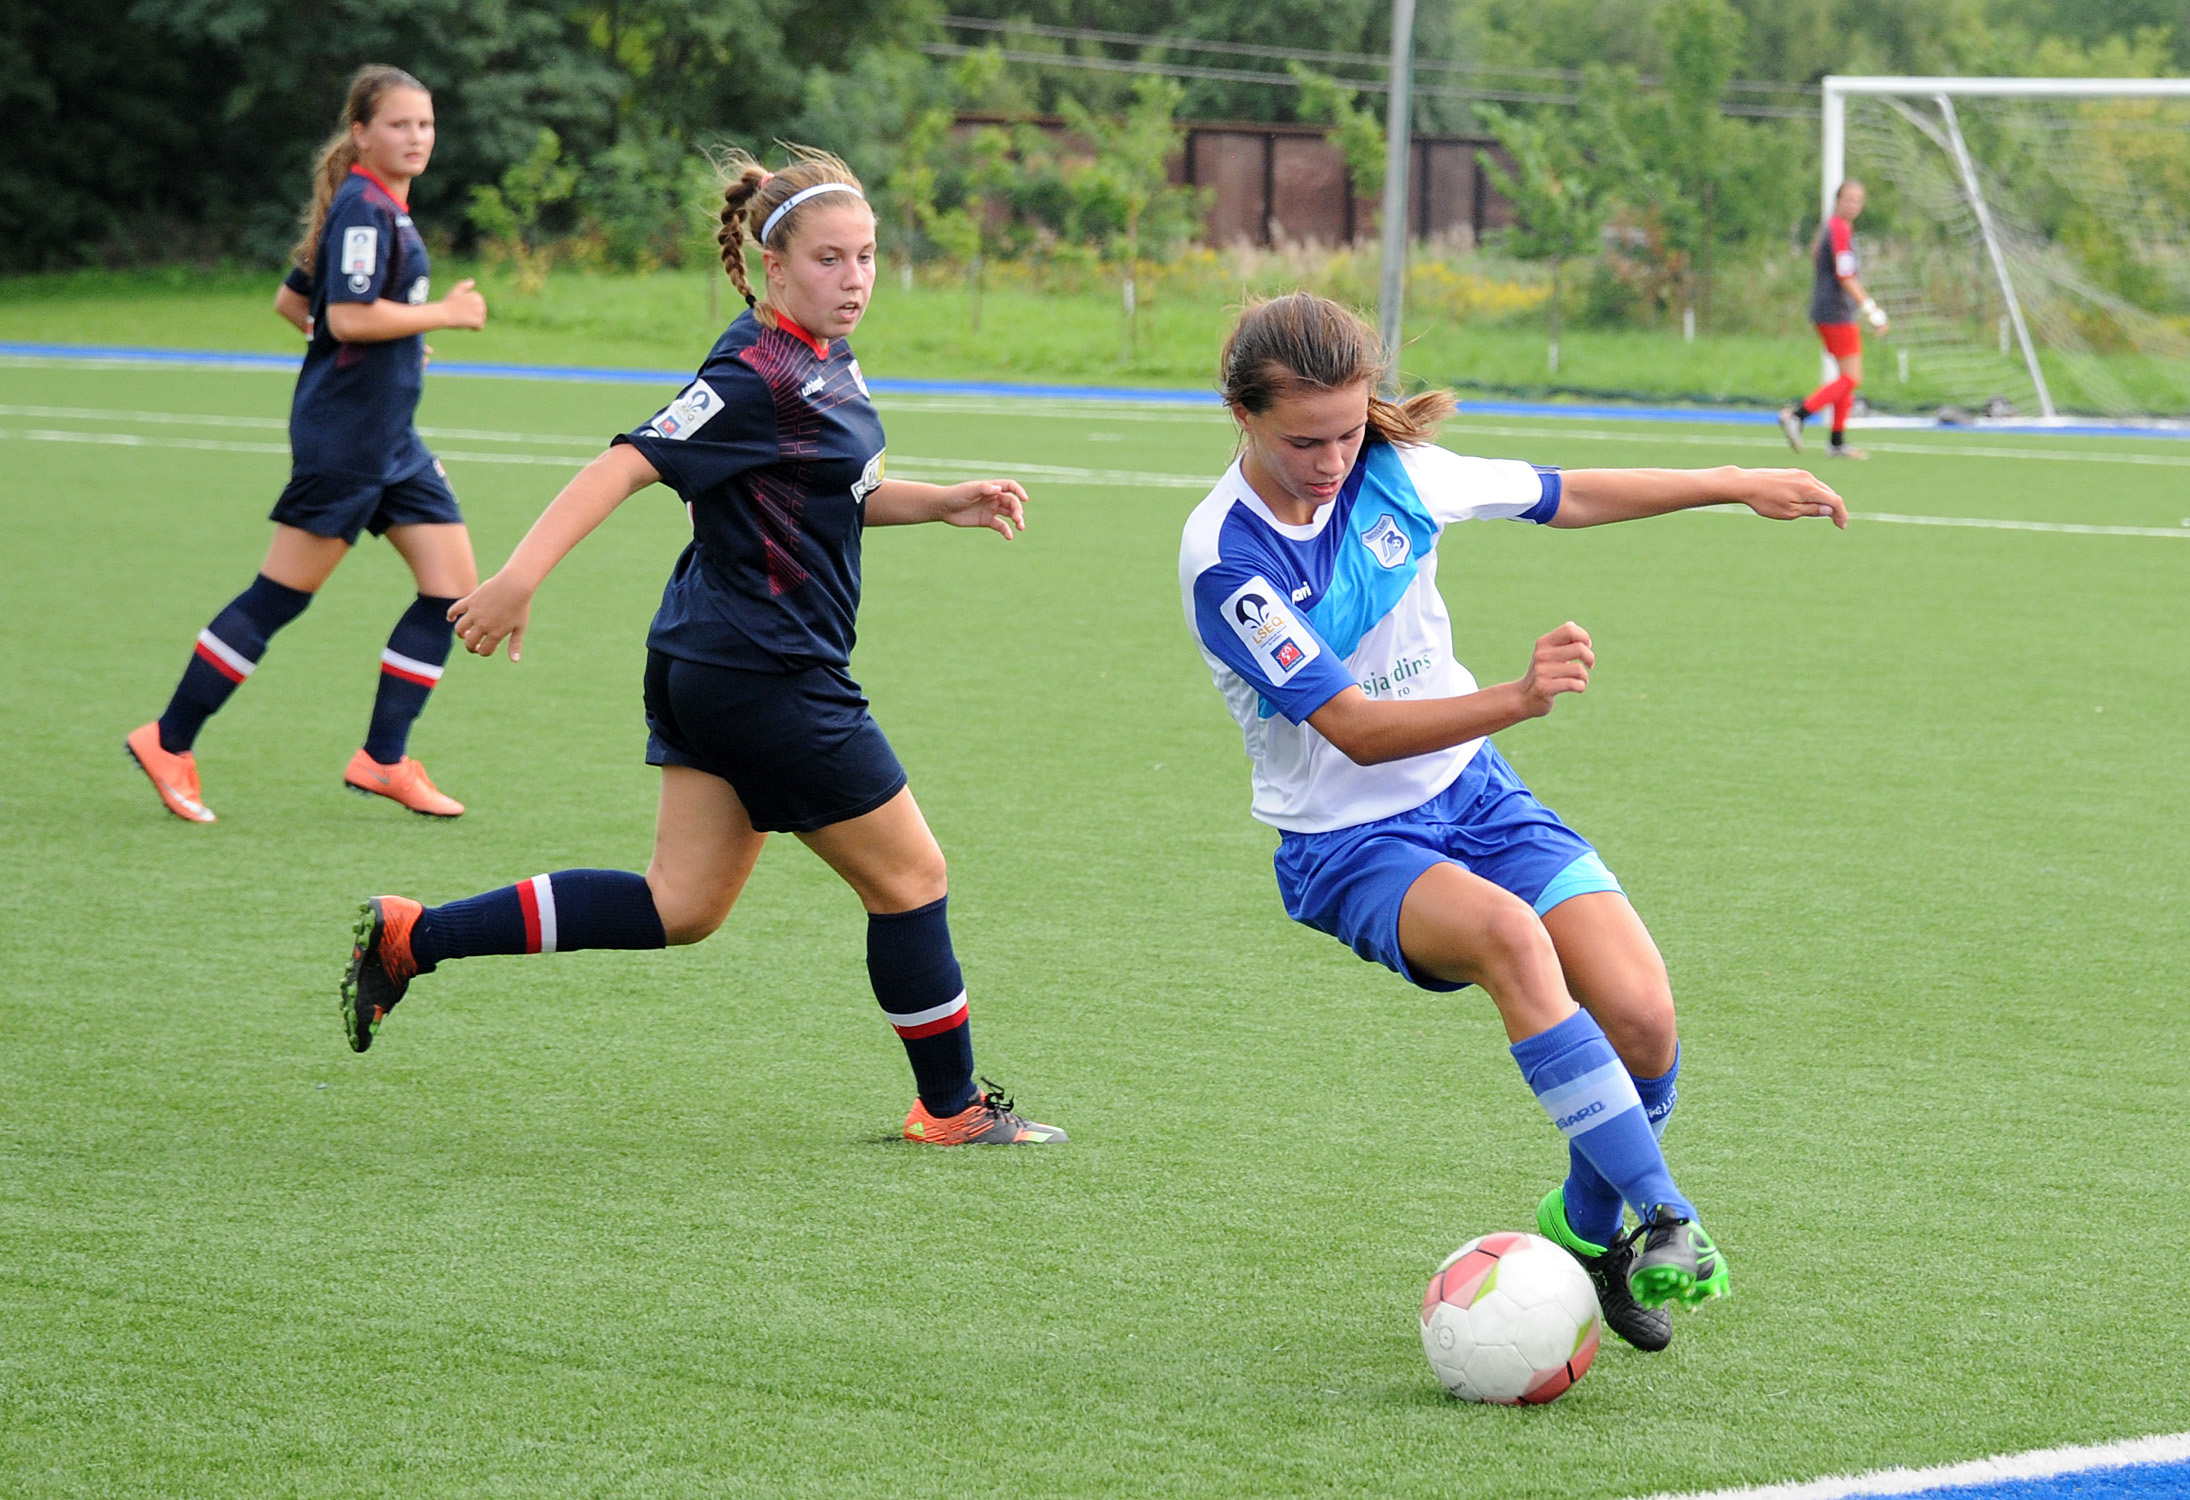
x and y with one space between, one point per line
2029 237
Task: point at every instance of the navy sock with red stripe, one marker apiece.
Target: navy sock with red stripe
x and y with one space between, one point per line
228 651
558 913
916 978
409 668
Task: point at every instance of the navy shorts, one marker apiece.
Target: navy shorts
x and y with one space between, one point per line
1351 882
799 748
343 505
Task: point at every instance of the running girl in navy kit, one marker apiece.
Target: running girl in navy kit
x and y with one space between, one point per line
752 713
359 293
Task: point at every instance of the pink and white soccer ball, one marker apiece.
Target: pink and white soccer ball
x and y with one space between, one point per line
1510 1319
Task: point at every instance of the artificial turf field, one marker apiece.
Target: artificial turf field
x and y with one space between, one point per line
1905 807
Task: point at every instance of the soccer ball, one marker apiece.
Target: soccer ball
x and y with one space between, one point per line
1510 1319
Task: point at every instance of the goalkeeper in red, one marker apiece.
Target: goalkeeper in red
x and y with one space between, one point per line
1836 296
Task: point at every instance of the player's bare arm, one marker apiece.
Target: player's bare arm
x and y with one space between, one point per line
294 308
378 322
998 504
501 607
1597 497
1372 731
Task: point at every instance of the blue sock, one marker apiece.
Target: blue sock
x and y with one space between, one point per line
559 913
417 651
916 978
1578 1079
1593 1208
228 651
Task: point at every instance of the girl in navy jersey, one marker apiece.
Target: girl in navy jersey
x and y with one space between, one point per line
359 292
752 714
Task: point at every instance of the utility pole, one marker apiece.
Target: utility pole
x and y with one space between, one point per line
1398 140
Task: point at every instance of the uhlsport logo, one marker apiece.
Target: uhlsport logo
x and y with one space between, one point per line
1386 542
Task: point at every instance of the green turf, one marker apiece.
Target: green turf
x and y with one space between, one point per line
1905 808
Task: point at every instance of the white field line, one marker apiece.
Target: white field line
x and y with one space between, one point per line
2046 1463
909 466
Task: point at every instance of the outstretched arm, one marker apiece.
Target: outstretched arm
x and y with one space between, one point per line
502 606
999 504
1595 497
1370 731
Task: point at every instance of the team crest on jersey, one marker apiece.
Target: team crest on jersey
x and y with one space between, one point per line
688 413
1387 542
360 250
870 479
420 290
1258 616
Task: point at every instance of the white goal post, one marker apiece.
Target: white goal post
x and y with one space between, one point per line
1945 132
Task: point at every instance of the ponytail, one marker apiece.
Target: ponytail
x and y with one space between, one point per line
750 196
339 153
1305 342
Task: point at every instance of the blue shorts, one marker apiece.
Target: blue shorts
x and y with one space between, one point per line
1350 882
799 748
343 505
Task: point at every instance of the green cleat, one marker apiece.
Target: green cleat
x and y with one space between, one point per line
1647 1328
1677 1262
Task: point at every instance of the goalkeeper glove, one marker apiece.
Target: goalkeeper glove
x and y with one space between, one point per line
1874 312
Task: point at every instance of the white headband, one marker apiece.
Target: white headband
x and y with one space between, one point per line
801 196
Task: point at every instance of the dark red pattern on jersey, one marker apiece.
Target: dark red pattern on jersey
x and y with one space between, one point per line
779 491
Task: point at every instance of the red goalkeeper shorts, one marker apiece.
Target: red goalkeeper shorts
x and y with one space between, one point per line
1842 341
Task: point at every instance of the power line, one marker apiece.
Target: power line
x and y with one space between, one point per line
1306 54
1288 81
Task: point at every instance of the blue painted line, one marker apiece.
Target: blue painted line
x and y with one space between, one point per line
996 389
2140 1482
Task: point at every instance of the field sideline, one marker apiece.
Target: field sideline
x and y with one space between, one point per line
1905 806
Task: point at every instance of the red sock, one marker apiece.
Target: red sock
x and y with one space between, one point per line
1832 393
1843 404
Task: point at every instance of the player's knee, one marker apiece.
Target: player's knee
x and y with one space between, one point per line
922 881
687 916
1514 939
1642 1027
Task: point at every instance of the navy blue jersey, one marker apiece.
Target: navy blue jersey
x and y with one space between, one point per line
353 406
774 449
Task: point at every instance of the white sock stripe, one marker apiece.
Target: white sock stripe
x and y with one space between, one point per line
402 663
1580 1105
543 895
236 660
932 1013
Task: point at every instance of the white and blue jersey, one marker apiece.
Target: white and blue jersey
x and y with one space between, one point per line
1288 617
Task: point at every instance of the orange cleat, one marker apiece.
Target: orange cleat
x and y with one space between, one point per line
988 1121
174 777
381 966
405 782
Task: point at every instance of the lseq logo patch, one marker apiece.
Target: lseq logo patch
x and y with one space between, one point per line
1387 543
688 413
1258 616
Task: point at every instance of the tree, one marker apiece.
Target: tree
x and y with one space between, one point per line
1356 132
1560 197
1130 174
511 216
1702 40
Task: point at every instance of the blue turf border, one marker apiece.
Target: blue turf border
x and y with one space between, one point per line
994 389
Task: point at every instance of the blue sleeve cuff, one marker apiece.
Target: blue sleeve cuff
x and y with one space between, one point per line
1543 510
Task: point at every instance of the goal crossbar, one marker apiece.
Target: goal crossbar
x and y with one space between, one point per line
1836 89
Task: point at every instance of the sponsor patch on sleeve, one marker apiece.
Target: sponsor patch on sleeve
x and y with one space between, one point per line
688 413
1259 616
1844 263
360 250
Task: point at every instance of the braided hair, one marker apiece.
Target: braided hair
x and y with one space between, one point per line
750 193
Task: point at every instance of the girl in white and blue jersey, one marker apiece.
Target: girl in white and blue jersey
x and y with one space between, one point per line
360 294
1309 578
